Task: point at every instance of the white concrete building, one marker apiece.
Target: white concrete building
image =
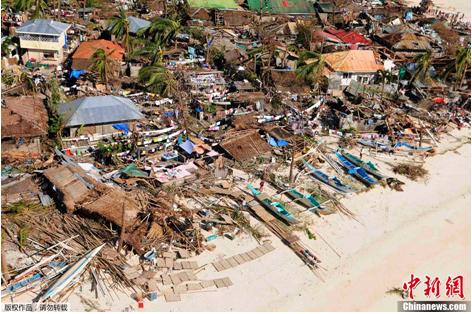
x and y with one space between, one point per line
344 66
43 40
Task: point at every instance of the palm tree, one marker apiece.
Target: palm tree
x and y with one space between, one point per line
24 5
157 79
103 64
119 26
151 50
161 31
310 67
6 43
423 63
386 77
459 65
26 80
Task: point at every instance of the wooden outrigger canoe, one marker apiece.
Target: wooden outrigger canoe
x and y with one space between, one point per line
70 274
358 172
368 166
275 208
308 200
333 182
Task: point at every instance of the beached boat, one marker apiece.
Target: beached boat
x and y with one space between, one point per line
368 166
358 172
377 145
412 147
70 274
275 208
333 181
308 200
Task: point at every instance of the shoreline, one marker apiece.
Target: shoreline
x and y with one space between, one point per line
376 254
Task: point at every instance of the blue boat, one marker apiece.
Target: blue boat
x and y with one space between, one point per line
333 181
368 166
358 172
276 208
407 145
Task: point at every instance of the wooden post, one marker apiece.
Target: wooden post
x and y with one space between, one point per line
292 162
122 231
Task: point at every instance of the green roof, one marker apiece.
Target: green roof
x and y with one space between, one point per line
213 4
282 6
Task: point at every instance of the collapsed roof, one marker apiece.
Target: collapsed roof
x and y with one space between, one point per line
24 116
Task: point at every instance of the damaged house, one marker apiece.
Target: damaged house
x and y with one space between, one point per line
346 66
245 145
24 126
80 192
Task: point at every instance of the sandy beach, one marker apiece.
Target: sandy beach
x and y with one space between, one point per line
461 6
424 230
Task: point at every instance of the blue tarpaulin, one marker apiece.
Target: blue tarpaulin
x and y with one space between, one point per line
187 146
275 142
76 73
122 127
168 114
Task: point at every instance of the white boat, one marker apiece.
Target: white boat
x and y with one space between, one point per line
70 274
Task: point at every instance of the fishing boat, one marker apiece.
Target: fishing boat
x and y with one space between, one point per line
276 208
333 181
358 172
377 145
308 200
412 147
368 166
70 274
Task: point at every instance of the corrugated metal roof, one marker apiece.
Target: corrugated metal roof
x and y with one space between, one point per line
213 4
43 27
99 110
282 6
135 24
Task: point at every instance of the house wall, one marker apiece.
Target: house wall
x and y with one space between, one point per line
100 129
32 147
345 78
37 46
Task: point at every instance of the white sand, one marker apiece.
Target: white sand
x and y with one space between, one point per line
453 6
423 230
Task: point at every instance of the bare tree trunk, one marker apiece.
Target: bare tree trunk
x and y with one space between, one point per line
122 231
292 163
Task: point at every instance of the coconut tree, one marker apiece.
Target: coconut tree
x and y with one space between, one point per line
310 67
6 43
161 31
385 77
459 65
423 63
119 27
151 50
103 64
24 5
157 79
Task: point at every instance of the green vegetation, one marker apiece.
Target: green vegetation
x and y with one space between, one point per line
157 79
7 77
119 26
55 118
103 64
